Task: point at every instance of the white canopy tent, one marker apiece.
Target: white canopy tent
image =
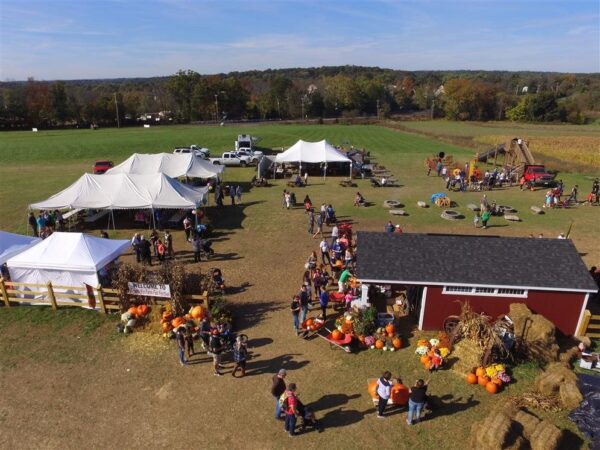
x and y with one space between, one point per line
65 259
172 165
12 244
313 152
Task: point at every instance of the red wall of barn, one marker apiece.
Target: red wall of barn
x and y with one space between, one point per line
562 308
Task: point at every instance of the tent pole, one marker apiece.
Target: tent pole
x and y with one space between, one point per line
112 213
153 221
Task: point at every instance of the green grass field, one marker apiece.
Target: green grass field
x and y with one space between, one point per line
73 362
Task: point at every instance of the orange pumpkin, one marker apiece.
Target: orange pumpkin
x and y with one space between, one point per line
197 312
483 381
480 372
142 310
177 321
166 327
133 310
373 389
396 342
399 394
491 388
424 359
309 322
389 328
336 335
379 344
472 378
497 381
423 343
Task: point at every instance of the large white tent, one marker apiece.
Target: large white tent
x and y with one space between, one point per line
65 259
312 152
12 244
125 191
173 165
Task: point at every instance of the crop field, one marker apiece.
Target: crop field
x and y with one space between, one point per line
576 147
66 371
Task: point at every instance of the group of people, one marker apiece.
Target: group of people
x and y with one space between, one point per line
143 247
288 402
326 216
234 193
46 223
416 401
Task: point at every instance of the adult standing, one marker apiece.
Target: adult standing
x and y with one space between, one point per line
205 332
180 338
335 233
290 413
232 194
323 302
215 345
416 401
145 254
319 226
33 224
295 309
238 193
305 178
311 221
304 302
483 203
343 279
384 390
196 246
240 355
277 389
324 247
135 244
485 216
187 227
169 244
154 240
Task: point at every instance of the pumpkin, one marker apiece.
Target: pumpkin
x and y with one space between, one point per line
336 335
309 322
399 394
373 389
177 321
396 342
480 372
423 343
497 381
142 310
472 378
133 311
166 327
491 388
379 344
197 312
389 328
483 381
428 365
167 315
424 359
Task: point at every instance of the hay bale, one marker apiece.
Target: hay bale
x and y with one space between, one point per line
569 355
512 217
538 333
422 204
569 395
494 432
536 210
469 356
473 207
546 436
528 423
398 212
549 381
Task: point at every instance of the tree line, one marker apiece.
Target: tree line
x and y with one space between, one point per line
346 91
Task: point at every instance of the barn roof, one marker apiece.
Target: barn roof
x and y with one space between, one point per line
440 259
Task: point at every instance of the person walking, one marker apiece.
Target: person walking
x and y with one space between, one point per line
169 244
135 244
196 246
311 221
238 193
187 228
485 216
295 309
304 302
189 343
343 279
215 346
319 226
483 203
416 401
145 253
33 224
305 178
232 194
180 338
160 251
323 302
240 355
334 234
278 387
384 390
290 413
154 241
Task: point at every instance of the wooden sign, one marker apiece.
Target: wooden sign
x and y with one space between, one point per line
149 290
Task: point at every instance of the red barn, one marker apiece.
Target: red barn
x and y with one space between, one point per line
490 272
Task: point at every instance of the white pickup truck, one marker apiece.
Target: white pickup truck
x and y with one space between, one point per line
254 155
231 159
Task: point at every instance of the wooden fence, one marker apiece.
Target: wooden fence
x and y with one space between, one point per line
590 325
56 295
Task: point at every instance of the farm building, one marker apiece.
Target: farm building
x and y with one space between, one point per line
490 272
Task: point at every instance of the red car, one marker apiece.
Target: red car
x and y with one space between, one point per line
102 166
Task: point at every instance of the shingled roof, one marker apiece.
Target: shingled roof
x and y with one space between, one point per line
440 259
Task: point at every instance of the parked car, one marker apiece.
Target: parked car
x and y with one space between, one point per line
253 155
102 166
197 151
537 174
231 159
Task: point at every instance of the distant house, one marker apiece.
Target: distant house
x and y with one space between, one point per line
489 272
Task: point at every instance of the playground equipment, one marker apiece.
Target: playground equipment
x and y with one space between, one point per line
516 156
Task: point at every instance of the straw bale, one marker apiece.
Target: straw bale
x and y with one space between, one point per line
569 355
538 333
469 355
546 436
569 395
528 423
494 432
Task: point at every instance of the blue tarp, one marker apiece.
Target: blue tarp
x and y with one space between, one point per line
438 195
587 416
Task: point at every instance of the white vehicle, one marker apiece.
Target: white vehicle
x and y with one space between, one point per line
203 153
231 159
254 155
243 142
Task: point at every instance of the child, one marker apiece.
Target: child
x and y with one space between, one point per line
240 355
180 337
307 417
476 219
348 300
436 360
189 343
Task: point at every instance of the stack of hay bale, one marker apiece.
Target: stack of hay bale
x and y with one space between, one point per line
559 379
469 355
509 427
538 334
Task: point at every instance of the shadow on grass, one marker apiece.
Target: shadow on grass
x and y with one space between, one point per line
343 417
447 405
259 367
250 314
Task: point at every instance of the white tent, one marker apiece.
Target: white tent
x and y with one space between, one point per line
125 191
313 152
12 244
172 165
65 259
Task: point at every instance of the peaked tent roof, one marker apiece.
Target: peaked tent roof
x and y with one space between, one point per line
71 252
172 165
551 264
12 244
125 191
312 152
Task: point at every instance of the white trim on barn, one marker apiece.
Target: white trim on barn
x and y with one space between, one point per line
583 308
484 292
427 283
423 303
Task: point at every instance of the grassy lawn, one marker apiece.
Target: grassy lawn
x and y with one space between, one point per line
65 371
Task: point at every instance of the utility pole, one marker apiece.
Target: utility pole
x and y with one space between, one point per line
117 109
217 108
377 109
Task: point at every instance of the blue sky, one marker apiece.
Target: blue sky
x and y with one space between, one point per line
56 39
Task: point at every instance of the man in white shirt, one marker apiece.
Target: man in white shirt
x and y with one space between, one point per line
324 246
334 233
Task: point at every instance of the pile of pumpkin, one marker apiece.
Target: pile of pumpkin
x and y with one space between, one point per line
426 349
492 377
384 338
169 322
138 312
313 324
399 394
